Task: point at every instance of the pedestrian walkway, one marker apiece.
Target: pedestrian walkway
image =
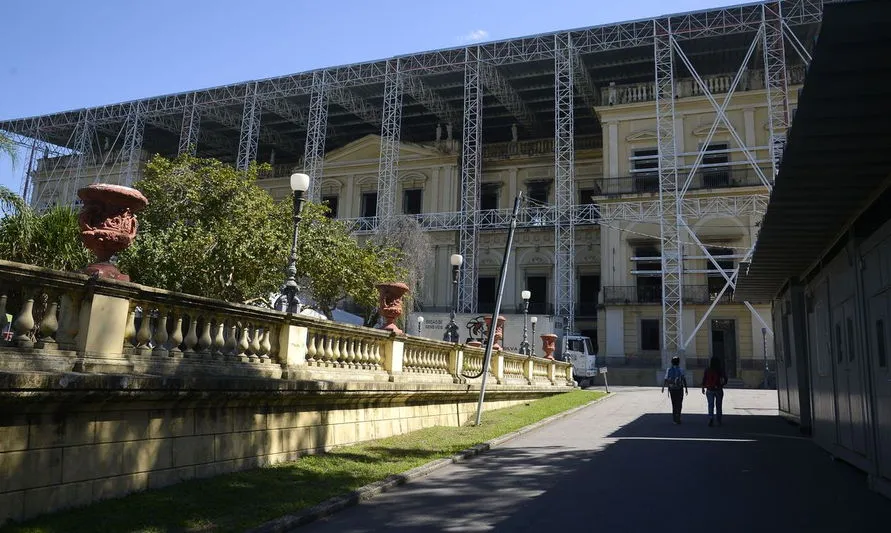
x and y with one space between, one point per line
622 465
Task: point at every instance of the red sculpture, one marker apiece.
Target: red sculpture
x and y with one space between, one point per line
549 344
390 304
499 330
108 224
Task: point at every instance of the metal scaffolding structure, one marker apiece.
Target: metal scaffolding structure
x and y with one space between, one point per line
670 195
249 135
314 153
471 165
564 179
390 134
291 116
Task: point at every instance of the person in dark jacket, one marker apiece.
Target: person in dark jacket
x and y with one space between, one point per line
713 381
676 382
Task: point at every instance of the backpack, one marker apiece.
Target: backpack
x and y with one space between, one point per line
675 378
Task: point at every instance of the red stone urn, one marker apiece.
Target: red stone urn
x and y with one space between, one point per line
549 344
108 224
499 330
390 304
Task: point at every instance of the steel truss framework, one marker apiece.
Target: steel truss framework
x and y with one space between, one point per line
471 165
183 114
390 134
564 179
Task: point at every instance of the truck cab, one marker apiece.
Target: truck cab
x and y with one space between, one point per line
579 351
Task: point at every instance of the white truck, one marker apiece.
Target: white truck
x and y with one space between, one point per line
572 348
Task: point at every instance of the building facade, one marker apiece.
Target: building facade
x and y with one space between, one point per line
645 151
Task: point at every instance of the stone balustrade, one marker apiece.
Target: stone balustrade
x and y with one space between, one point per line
70 322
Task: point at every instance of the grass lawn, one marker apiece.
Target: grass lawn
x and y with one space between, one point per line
235 502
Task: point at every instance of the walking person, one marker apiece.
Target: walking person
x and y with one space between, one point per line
713 381
676 382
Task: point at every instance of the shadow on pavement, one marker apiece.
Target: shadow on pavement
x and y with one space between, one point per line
753 474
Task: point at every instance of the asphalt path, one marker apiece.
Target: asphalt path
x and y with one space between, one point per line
622 465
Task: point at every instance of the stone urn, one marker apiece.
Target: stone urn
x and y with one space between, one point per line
549 344
499 330
108 224
390 304
475 344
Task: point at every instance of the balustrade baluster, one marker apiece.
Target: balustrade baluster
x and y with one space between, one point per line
205 341
231 347
24 321
191 338
176 337
311 351
265 346
336 354
329 351
254 355
144 335
50 323
244 345
161 336
69 310
219 340
130 329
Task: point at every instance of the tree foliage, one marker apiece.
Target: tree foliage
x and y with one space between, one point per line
335 266
49 239
211 230
7 147
406 233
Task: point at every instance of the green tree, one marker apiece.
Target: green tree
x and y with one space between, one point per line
7 147
336 267
49 239
211 230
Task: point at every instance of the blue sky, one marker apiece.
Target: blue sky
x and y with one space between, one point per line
61 55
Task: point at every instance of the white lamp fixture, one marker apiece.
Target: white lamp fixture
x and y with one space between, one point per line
420 324
525 295
534 320
299 182
456 260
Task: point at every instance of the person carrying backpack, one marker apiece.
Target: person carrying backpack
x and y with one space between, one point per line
713 382
676 382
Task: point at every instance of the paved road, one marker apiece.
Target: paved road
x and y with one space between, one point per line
621 465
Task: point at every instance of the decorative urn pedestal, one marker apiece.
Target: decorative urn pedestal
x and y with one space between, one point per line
108 224
390 304
549 344
499 330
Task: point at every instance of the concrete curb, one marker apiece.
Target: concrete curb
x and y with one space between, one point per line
338 503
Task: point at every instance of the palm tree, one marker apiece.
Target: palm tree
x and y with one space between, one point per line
7 147
49 239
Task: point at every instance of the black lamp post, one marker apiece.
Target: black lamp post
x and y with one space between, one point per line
420 325
288 301
524 346
534 320
451 330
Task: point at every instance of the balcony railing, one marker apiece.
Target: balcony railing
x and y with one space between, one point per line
529 217
716 84
506 150
64 322
704 179
691 294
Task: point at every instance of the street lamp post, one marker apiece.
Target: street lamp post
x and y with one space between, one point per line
451 330
533 320
420 324
288 300
524 346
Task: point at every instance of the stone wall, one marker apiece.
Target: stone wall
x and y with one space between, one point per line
67 440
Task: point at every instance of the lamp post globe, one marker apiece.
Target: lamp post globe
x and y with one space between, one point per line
288 301
524 346
420 324
451 330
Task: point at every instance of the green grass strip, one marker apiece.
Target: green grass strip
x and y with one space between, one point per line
235 502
